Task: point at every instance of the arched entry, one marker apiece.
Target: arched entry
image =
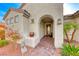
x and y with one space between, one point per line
47 27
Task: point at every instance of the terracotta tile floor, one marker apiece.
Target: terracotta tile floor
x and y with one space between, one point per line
44 48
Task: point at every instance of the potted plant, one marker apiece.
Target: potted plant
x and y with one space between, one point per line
31 34
70 50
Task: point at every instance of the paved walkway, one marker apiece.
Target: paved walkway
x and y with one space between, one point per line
12 49
44 48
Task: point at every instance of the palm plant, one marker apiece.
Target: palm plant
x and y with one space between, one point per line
68 50
67 27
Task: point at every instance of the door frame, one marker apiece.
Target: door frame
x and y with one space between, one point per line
45 27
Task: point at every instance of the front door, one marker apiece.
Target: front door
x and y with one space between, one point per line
48 29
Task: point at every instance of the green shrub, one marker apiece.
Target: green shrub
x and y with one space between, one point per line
15 36
3 43
68 50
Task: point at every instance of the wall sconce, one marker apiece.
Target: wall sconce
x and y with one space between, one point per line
59 22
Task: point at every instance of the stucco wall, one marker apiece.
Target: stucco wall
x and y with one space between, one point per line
42 29
26 26
39 10
18 27
77 32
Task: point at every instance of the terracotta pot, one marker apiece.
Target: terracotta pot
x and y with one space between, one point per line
31 34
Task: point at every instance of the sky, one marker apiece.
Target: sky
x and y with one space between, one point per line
70 8
5 6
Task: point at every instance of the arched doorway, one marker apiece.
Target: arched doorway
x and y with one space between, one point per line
47 28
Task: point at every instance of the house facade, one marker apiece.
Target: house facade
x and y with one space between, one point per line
73 18
40 19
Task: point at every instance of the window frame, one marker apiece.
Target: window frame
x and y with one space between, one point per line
16 18
11 20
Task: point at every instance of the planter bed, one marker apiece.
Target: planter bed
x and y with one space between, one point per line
10 49
57 52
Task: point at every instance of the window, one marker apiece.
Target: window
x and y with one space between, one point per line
11 20
17 18
7 21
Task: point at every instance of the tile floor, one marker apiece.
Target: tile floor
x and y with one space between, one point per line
44 48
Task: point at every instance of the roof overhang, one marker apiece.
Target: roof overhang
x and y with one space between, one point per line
72 16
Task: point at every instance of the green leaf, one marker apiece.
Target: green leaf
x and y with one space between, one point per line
68 50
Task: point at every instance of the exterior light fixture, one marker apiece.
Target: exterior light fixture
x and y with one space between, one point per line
59 22
26 14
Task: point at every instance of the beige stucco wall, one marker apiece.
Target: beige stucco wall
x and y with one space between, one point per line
15 26
77 32
68 20
42 29
26 26
39 10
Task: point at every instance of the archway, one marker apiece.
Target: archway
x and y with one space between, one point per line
47 28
